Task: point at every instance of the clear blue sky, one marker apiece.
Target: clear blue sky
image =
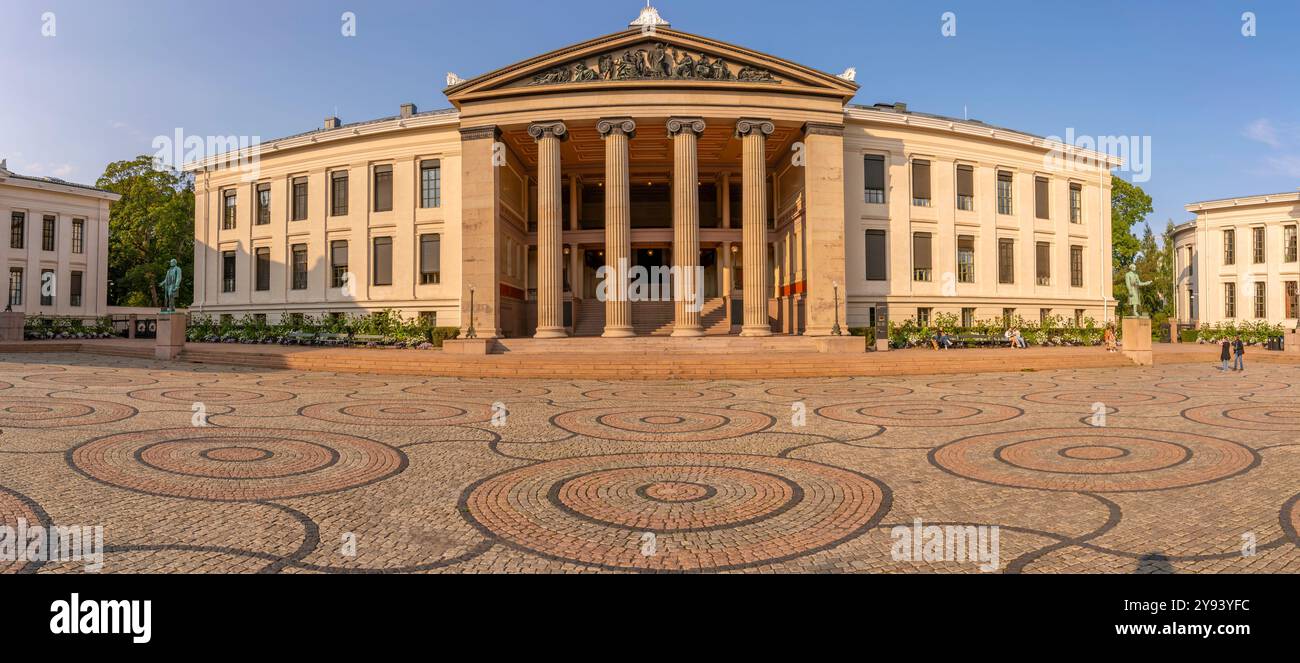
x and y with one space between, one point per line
1222 110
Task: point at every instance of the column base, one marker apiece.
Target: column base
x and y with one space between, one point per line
551 332
688 332
756 331
618 332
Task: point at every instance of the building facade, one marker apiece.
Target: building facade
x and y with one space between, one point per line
1237 261
57 249
657 149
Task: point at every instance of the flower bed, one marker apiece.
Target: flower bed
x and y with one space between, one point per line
385 329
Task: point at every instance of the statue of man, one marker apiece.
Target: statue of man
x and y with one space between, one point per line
1135 284
171 284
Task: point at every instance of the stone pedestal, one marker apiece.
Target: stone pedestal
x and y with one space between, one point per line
840 344
469 346
1292 341
1173 332
11 327
1137 340
171 336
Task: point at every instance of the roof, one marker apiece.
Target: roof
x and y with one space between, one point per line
1262 199
9 176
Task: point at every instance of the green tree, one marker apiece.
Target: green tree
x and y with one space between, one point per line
1155 264
150 225
1129 206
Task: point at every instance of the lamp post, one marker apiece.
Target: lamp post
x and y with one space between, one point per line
470 333
836 331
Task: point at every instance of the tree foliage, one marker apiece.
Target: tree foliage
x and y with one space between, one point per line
1129 206
150 225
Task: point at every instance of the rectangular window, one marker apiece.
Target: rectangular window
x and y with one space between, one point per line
923 316
1076 266
338 263
48 287
876 255
1229 247
1261 300
299 199
15 286
1292 299
1257 246
339 193
259 319
17 230
1043 315
430 259
1288 244
1043 262
874 165
383 188
1078 317
968 318
1076 203
920 183
262 262
74 293
299 259
1004 193
1042 202
78 235
227 271
1006 261
264 204
966 188
47 232
965 259
429 319
430 184
383 261
1008 314
1229 300
921 263
228 200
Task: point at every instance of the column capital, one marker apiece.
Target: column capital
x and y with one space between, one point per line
746 126
552 128
677 125
610 125
823 129
479 133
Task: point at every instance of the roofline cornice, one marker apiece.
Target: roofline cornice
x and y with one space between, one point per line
1244 201
70 189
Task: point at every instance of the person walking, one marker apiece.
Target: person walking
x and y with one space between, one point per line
1238 354
1225 354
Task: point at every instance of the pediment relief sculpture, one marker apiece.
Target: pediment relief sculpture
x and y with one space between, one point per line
658 63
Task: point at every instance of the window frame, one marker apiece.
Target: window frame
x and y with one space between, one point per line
966 270
376 279
1006 261
17 230
78 236
871 195
1076 265
49 232
262 269
377 203
431 166
884 254
298 279
339 180
229 209
229 272
430 277
1007 199
263 211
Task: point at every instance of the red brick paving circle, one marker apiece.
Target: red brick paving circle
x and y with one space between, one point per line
658 425
1106 396
396 413
236 464
928 414
91 380
321 382
1283 417
1218 385
602 510
986 385
50 412
210 395
14 508
454 391
1063 459
659 394
839 390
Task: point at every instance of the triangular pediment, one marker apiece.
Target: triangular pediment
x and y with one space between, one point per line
663 58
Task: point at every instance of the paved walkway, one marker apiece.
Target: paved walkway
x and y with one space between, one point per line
1173 468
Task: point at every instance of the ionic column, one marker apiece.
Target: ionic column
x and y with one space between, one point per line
550 228
618 225
754 135
688 291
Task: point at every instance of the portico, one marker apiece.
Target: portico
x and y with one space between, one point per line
622 166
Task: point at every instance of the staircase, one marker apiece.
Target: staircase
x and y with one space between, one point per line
652 318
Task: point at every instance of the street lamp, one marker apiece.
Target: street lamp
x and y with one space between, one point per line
470 333
836 331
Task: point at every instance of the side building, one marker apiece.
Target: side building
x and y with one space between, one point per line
57 249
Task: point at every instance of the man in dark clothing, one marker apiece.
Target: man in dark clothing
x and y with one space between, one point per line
1225 354
1239 354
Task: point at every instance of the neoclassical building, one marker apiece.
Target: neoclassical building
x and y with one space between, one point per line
657 149
1237 261
57 248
